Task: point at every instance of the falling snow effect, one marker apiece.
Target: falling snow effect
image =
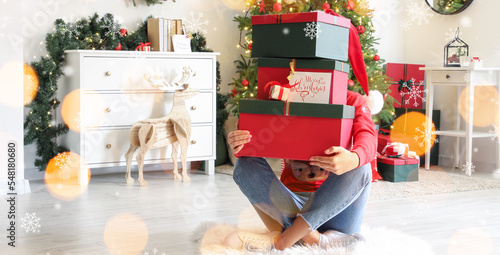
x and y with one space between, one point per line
111 27
425 138
494 133
62 160
137 57
78 120
154 252
450 35
421 205
414 94
196 24
416 13
312 30
468 168
4 21
31 223
467 77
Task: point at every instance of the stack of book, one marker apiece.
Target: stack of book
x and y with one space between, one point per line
161 31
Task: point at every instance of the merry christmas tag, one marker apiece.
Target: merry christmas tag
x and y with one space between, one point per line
310 87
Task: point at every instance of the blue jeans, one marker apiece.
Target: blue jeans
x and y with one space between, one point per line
339 203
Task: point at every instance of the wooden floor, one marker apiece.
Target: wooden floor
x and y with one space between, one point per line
172 210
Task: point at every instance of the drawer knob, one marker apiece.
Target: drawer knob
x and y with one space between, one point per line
108 73
448 76
108 146
193 141
107 110
193 107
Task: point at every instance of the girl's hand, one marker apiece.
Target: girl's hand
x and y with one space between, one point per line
341 161
237 139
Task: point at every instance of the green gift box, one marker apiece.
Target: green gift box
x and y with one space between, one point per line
399 169
300 35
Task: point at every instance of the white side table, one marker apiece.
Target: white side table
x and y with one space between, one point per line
464 77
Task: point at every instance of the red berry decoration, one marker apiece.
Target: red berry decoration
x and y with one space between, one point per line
325 6
361 29
123 32
350 82
244 82
277 7
235 92
250 46
351 5
376 57
119 47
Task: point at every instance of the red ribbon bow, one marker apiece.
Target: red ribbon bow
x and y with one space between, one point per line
142 45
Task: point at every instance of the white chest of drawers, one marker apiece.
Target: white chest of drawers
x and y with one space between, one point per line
104 93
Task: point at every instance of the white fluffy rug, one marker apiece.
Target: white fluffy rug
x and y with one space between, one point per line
209 237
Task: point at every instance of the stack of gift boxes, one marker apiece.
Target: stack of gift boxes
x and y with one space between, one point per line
397 160
300 109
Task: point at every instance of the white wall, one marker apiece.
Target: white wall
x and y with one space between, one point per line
11 100
423 42
222 34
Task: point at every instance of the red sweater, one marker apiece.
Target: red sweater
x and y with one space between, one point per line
363 143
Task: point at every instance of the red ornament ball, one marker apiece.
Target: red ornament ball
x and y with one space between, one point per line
277 7
351 5
244 82
325 6
350 82
376 57
361 29
123 32
250 46
119 47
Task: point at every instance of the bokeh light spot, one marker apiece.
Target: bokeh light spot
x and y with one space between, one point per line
31 83
11 74
62 176
125 234
94 113
410 129
485 111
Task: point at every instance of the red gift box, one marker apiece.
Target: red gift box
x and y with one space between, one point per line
294 130
408 85
334 75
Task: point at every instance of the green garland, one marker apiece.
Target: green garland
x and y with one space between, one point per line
152 2
94 33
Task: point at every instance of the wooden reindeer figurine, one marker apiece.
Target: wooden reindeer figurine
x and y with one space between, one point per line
175 129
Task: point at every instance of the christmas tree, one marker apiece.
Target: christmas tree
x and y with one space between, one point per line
358 11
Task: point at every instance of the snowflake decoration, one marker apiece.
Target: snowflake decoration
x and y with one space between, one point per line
111 27
425 138
468 168
414 93
62 160
405 25
155 251
31 223
418 13
312 30
196 24
72 28
467 77
494 133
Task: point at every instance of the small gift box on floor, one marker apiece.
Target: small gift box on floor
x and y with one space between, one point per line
399 169
294 130
407 77
320 81
300 35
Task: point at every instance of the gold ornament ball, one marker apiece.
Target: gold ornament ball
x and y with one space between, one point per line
289 1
